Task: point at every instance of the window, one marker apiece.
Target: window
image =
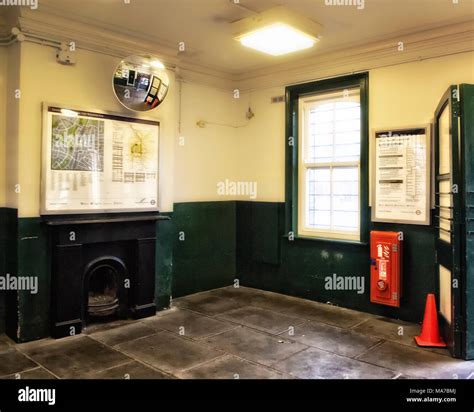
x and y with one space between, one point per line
327 163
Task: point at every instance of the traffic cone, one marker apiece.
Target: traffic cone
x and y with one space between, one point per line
429 329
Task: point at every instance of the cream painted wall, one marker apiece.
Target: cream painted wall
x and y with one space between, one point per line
401 95
195 160
3 125
261 147
209 155
87 85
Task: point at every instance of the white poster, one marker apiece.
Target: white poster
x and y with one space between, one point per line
402 177
94 162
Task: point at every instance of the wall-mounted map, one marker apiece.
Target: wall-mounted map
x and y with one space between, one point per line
94 162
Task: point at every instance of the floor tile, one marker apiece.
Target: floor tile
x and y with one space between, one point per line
255 346
262 319
230 367
168 352
36 373
104 326
259 298
417 362
333 339
131 370
75 358
123 334
186 323
324 313
394 330
5 343
12 361
206 303
317 364
241 294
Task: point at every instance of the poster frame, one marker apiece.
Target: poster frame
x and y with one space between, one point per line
45 134
429 174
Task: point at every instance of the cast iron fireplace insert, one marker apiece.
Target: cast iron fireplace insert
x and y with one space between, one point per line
101 266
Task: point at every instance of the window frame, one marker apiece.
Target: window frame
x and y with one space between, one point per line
292 173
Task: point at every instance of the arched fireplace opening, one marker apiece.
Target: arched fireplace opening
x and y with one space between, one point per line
105 293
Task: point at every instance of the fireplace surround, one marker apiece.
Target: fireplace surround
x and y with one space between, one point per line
101 266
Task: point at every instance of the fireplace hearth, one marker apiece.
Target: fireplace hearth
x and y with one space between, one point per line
102 268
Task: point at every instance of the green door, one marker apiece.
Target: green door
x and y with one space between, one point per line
448 217
467 152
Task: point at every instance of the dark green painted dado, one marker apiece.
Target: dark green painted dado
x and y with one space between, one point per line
204 246
306 263
207 245
31 320
164 262
7 252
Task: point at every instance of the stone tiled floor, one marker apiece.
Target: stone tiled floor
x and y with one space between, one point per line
237 333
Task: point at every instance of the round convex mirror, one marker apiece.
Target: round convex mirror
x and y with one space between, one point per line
141 83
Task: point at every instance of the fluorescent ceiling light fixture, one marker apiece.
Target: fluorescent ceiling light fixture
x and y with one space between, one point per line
277 31
278 39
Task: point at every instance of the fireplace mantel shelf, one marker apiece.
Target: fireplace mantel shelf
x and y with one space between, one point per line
84 221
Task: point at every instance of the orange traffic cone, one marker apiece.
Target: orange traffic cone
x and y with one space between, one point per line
429 329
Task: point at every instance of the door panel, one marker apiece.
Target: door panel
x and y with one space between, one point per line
445 281
448 217
467 151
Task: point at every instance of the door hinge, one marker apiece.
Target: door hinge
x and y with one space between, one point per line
436 256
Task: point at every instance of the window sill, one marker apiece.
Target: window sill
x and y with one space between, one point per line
327 240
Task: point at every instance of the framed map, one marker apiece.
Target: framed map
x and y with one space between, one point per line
98 162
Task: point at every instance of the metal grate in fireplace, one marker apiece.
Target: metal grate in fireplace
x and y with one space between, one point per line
103 300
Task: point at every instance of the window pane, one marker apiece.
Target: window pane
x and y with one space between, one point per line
332 201
333 130
347 152
332 135
346 203
346 220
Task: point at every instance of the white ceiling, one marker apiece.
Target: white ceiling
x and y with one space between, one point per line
204 24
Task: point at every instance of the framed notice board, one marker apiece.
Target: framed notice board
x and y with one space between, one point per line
98 162
402 176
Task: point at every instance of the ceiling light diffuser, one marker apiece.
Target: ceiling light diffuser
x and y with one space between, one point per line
277 40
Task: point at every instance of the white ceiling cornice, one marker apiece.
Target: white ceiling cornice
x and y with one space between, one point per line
427 44
456 38
90 37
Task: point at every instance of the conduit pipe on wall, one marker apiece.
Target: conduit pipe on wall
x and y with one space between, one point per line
18 35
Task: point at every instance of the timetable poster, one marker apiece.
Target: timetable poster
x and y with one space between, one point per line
94 162
402 177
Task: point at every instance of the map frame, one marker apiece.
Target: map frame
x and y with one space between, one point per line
50 109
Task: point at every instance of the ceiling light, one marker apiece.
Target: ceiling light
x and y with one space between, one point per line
277 32
277 40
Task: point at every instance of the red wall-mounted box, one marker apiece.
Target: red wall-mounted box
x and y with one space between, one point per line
386 268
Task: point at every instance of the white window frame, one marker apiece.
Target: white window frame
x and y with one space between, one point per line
305 103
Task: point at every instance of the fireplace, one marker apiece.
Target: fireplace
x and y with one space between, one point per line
103 268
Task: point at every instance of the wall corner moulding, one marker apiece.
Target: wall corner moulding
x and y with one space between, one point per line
424 44
45 24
